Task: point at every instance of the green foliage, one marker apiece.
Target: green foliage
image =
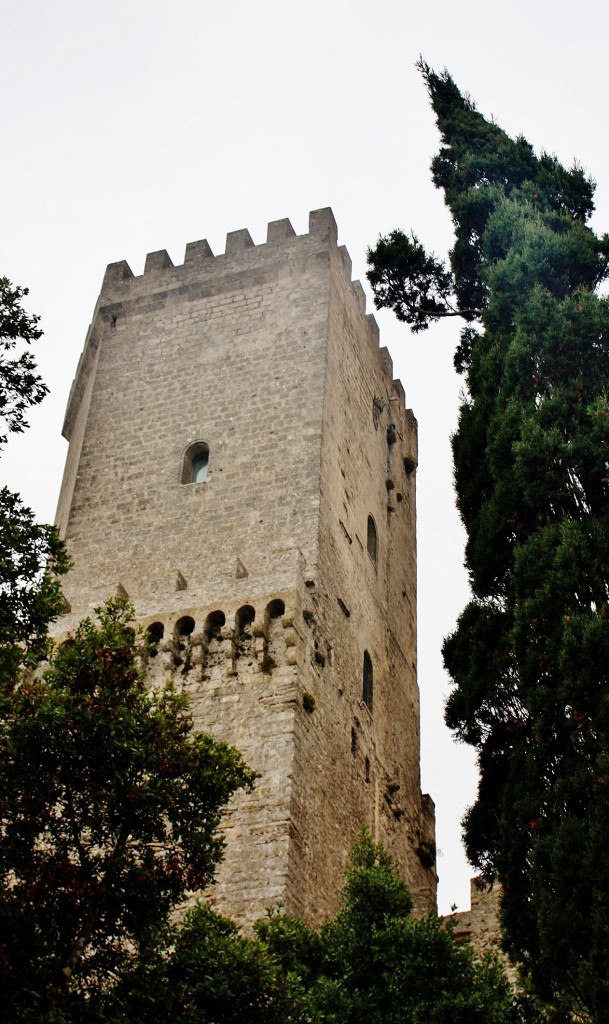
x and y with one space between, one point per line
530 653
31 559
20 385
374 964
481 170
371 963
406 279
108 815
211 974
31 556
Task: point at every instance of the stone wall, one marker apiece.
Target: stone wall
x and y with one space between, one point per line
479 926
272 583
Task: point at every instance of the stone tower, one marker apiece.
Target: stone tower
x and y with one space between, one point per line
241 464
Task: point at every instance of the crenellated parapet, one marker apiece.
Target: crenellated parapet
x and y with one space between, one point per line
204 272
119 279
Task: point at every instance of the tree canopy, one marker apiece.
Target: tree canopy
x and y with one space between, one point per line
31 555
109 808
529 657
370 964
20 385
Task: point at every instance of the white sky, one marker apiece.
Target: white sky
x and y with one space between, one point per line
135 125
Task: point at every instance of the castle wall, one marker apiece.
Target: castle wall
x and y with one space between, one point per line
259 577
369 773
479 926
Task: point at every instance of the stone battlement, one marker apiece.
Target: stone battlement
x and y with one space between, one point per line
199 255
121 285
205 275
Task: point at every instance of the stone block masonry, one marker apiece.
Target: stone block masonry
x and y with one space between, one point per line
242 465
479 926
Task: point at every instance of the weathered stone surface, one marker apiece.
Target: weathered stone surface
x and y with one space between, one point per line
479 926
263 579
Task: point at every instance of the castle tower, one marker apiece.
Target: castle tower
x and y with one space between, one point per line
241 464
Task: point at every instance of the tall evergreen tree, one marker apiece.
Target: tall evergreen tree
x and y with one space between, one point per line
530 655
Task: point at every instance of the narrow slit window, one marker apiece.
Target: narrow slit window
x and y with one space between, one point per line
367 681
372 540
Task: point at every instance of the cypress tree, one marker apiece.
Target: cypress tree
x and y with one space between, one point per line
529 657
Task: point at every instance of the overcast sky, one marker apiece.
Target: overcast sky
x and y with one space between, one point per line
137 125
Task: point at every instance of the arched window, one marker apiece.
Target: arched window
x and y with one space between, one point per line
275 609
367 681
195 463
245 643
371 539
244 619
214 623
184 626
155 632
